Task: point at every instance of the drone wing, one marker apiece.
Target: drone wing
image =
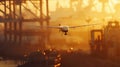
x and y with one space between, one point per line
57 27
81 26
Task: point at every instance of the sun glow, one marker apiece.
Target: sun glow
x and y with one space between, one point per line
108 7
64 3
85 3
97 6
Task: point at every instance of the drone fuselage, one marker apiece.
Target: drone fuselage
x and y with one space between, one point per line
64 29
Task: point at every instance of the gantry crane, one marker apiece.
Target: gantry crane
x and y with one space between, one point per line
13 20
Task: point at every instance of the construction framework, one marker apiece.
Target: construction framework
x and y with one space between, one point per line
13 20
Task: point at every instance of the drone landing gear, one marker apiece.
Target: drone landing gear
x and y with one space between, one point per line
65 33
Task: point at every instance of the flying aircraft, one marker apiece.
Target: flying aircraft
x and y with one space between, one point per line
65 29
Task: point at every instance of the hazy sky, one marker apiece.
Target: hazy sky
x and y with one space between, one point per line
97 5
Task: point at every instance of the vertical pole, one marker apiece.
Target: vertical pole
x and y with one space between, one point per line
5 23
41 14
20 23
14 17
47 20
10 22
92 43
47 11
42 38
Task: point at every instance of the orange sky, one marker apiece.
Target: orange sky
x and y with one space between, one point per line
97 4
